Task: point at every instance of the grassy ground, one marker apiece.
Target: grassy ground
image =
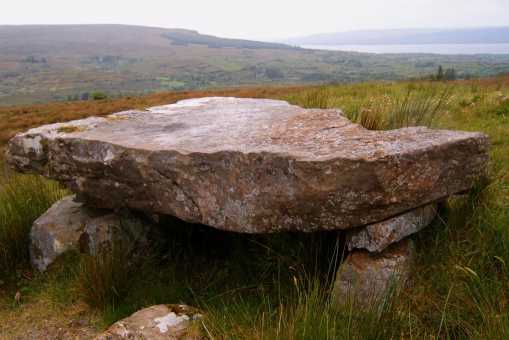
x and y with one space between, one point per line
276 287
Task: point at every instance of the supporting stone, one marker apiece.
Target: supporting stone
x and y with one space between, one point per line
364 278
69 225
377 237
161 322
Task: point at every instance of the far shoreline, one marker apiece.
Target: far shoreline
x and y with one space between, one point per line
442 49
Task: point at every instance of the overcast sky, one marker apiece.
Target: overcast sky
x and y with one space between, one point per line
261 19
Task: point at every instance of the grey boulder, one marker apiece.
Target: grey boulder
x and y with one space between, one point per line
365 279
69 225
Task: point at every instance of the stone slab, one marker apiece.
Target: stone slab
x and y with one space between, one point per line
252 165
378 236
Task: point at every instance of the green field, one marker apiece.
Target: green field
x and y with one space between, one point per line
46 63
276 287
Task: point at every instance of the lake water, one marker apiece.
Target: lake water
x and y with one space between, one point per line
429 48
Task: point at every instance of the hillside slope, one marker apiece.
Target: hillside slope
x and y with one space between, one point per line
67 40
42 63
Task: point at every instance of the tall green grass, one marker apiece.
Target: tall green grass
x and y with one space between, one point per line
315 99
306 313
417 107
23 198
104 280
413 106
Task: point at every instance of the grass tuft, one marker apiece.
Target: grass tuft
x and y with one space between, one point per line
316 99
104 280
23 198
306 313
418 107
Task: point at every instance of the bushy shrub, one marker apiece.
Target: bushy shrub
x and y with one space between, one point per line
502 109
97 95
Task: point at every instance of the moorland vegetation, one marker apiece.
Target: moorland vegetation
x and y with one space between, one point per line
277 286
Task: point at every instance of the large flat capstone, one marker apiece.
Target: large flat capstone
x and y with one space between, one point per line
252 165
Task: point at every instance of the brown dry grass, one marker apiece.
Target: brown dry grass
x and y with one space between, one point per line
42 319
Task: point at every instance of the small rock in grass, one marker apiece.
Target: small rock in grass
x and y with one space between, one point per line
161 322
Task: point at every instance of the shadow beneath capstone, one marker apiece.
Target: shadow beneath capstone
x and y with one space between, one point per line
311 251
212 263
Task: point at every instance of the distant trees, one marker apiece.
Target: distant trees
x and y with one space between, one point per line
440 73
35 60
95 95
274 73
424 64
73 98
448 74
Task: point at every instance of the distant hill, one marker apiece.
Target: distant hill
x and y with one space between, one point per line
487 35
80 39
74 62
